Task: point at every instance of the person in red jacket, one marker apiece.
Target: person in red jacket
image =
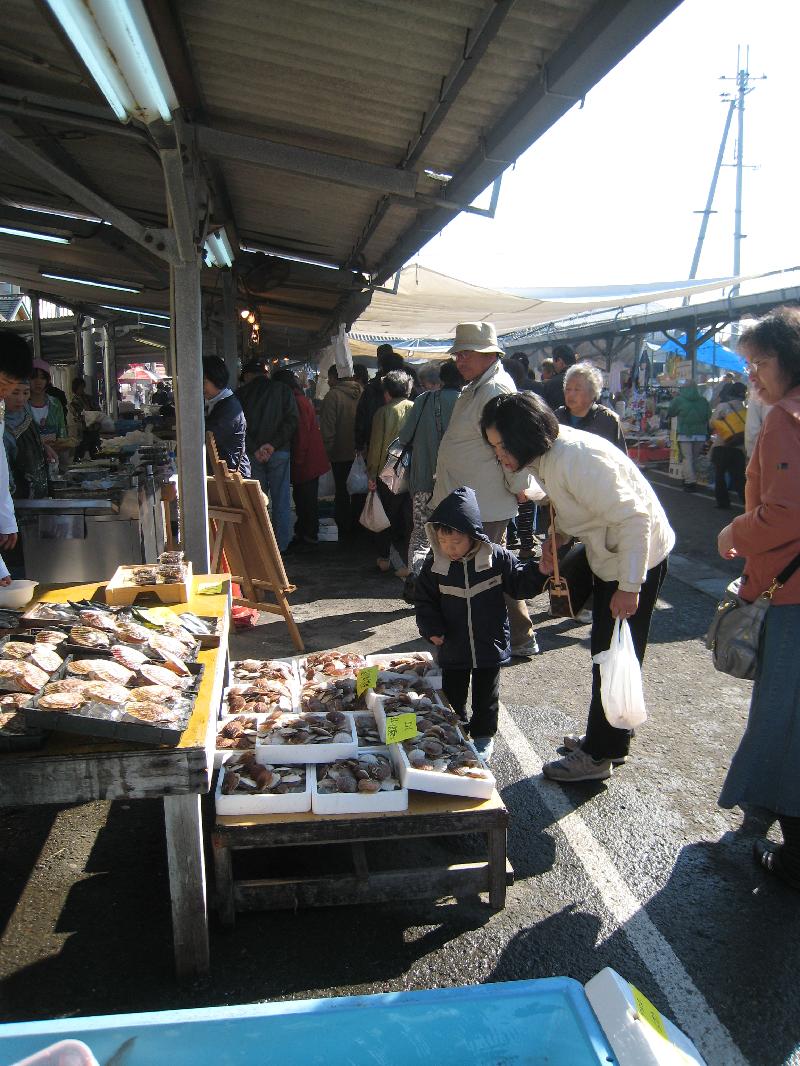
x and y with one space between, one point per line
309 462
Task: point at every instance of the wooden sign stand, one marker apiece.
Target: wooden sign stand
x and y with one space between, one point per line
241 528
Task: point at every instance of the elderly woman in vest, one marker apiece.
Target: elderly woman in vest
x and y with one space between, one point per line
601 497
583 384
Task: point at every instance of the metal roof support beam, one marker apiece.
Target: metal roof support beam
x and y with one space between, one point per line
320 165
158 241
608 33
110 368
230 325
36 323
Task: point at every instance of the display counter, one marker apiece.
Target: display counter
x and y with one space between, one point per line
72 769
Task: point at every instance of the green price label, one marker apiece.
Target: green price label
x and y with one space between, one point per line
401 727
648 1013
366 678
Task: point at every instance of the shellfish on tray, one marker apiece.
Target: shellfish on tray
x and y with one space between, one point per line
14 699
131 632
21 676
321 665
244 775
153 713
106 692
66 684
160 675
62 701
154 694
167 645
330 728
88 637
50 636
100 670
419 663
237 733
335 694
430 751
16 649
99 620
368 772
132 658
46 658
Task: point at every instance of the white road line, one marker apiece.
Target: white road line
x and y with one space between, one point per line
690 1008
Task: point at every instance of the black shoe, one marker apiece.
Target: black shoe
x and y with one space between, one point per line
768 856
690 486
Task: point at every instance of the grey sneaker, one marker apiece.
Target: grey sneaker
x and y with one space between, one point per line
526 650
484 747
574 742
578 766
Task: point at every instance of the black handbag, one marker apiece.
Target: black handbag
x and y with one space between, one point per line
570 585
734 636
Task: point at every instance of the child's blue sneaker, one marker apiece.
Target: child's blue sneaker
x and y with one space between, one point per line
484 747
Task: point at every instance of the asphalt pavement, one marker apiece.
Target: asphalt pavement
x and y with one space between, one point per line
643 872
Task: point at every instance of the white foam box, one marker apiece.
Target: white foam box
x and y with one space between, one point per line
286 754
263 803
359 802
436 781
376 704
293 682
433 671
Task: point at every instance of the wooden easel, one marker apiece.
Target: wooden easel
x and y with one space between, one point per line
241 528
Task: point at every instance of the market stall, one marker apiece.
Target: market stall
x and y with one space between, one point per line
70 683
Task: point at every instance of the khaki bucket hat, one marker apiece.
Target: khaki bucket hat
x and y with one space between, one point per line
475 337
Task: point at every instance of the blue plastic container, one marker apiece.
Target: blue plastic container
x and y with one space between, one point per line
519 1023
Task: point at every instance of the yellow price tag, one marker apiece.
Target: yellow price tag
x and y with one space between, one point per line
647 1012
159 616
401 727
366 678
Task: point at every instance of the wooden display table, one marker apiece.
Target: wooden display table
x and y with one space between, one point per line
75 769
427 815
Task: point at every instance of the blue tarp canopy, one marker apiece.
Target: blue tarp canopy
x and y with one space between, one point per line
710 353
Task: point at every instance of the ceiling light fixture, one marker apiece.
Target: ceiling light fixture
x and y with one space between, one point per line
136 311
218 249
291 257
89 281
10 231
42 209
148 342
115 40
244 313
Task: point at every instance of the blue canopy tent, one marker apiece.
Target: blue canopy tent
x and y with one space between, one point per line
710 353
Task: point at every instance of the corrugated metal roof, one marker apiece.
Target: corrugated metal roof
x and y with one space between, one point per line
358 79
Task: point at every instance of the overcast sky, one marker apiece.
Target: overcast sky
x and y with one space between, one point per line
607 195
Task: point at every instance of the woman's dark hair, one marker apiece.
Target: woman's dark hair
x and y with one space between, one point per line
449 375
288 377
778 334
360 373
515 371
16 360
397 383
525 423
215 370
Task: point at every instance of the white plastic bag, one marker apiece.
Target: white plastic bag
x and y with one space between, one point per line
373 516
358 479
621 680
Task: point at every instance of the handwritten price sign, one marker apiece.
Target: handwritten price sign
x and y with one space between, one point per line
401 727
366 678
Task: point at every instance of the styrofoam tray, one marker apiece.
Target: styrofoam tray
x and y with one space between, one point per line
435 781
376 705
291 754
371 718
264 803
300 665
293 682
359 802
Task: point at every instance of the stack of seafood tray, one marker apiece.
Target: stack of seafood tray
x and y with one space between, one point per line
117 679
297 735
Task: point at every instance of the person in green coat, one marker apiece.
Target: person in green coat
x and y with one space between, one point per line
386 425
693 412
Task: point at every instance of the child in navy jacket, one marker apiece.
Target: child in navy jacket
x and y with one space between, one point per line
460 608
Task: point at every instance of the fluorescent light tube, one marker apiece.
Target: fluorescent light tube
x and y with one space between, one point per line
115 40
89 281
292 257
149 343
219 250
9 231
43 209
134 311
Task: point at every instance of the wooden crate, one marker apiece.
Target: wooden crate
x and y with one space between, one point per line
122 592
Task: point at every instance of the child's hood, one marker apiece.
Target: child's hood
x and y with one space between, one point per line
460 511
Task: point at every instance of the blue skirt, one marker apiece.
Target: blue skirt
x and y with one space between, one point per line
765 770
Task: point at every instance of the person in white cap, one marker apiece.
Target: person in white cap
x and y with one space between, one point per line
466 459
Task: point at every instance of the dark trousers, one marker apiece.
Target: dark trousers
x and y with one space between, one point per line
306 507
485 696
346 509
602 740
398 511
728 461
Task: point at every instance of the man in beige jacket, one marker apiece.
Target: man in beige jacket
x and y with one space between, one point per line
337 418
466 459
